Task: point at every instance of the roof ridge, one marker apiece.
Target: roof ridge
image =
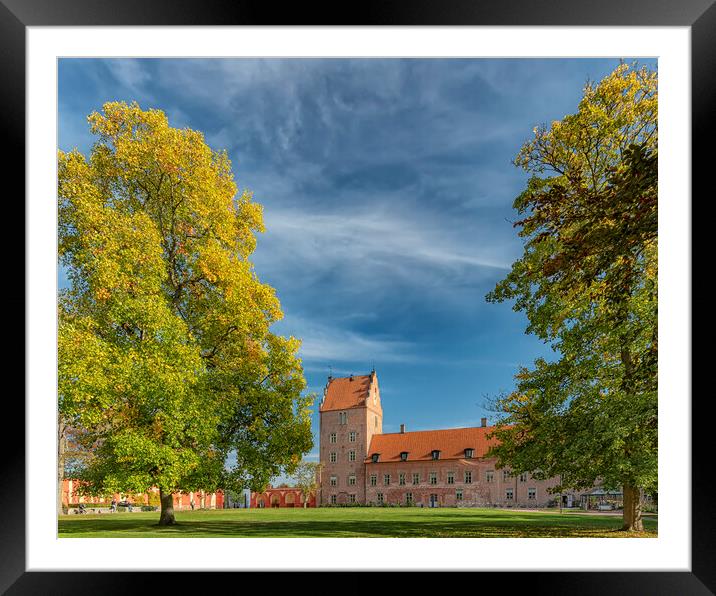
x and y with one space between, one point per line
436 430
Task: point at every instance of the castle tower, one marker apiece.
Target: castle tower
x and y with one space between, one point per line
350 414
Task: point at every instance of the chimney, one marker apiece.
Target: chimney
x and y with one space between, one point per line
402 429
483 422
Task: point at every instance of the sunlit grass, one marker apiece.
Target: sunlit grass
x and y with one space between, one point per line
354 523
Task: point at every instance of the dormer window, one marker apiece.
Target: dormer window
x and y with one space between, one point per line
375 457
469 453
436 454
403 456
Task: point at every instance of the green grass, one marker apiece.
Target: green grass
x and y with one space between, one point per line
352 523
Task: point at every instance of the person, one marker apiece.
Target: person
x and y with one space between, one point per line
82 508
192 504
114 504
129 506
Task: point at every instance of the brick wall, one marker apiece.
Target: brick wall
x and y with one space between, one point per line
182 501
479 491
364 421
280 497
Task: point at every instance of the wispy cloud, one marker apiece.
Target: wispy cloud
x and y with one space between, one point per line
324 343
367 254
133 76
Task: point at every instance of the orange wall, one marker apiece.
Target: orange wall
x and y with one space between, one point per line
285 497
181 500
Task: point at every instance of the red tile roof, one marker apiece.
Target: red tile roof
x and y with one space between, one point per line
347 392
450 442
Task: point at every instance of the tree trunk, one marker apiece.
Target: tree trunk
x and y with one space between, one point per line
166 517
633 521
61 447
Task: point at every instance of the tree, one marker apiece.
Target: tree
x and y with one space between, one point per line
307 479
587 282
166 358
70 454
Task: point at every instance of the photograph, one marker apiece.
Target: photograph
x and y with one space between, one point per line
359 298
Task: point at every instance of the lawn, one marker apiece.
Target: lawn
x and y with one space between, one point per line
353 523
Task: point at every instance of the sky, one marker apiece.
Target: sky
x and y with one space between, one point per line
387 188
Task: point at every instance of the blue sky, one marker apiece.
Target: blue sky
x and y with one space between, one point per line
387 188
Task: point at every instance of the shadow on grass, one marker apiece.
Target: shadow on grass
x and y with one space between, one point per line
438 524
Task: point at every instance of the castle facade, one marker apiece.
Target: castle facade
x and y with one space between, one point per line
434 468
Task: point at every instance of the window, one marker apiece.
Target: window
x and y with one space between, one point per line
416 478
408 498
468 477
342 417
333 457
489 476
333 437
469 453
451 477
351 498
333 499
334 481
351 480
352 455
375 457
403 456
509 494
401 479
505 475
386 479
436 454
352 436
373 480
376 421
380 498
433 477
523 477
458 494
531 493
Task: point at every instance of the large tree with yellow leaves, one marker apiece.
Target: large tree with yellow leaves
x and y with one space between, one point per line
167 364
587 282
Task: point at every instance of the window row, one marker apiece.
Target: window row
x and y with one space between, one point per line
343 419
408 497
459 495
333 456
351 480
351 499
434 454
468 477
333 437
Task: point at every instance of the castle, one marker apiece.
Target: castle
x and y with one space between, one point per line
434 468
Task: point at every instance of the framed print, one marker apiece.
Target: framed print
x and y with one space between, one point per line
188 60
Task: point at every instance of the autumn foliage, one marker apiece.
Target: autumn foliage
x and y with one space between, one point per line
166 357
587 281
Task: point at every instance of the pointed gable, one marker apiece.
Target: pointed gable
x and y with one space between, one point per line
346 392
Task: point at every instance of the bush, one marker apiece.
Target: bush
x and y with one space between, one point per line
149 508
87 505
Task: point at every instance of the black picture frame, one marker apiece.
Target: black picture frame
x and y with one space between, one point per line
17 15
